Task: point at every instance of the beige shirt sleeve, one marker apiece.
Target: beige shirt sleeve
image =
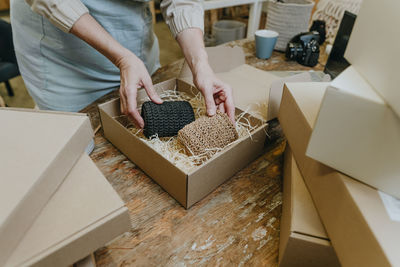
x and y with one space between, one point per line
62 13
183 14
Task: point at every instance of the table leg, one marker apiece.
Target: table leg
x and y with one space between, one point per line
254 18
2 103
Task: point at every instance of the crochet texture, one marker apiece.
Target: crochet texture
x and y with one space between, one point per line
208 134
166 119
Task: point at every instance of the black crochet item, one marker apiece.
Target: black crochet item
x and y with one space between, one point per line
166 119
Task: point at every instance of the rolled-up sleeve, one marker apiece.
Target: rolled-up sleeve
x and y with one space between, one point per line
62 13
183 14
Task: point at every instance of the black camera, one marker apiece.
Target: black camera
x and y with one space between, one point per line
304 48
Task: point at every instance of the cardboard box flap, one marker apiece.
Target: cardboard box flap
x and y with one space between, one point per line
37 151
305 219
250 85
250 88
221 59
374 58
309 96
276 90
83 199
350 81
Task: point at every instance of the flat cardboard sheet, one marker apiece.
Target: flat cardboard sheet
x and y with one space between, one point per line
303 240
358 134
83 215
353 213
221 59
38 149
371 48
249 84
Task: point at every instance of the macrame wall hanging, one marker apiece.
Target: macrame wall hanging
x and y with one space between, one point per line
331 11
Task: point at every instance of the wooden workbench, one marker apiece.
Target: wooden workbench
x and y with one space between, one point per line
238 224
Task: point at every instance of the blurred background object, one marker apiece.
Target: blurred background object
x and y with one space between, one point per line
228 30
336 62
21 97
288 18
8 61
332 11
4 5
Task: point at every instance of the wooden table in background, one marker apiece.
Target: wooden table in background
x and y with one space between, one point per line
238 224
4 5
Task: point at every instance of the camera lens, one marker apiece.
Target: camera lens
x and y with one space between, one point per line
294 50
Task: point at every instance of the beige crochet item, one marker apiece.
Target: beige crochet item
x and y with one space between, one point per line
208 135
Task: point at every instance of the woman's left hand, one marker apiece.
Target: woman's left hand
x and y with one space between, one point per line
217 94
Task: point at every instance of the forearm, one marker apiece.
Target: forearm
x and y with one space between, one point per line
192 45
90 31
216 93
133 72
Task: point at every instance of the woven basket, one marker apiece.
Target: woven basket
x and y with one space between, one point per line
288 19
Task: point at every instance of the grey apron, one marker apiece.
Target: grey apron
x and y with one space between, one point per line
62 72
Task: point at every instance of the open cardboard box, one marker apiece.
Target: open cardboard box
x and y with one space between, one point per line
84 214
37 150
353 213
303 239
186 187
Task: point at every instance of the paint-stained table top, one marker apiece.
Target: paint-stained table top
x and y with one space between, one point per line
236 225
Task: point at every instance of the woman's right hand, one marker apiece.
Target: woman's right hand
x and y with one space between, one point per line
133 72
134 75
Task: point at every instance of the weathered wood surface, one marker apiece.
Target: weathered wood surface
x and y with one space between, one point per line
236 225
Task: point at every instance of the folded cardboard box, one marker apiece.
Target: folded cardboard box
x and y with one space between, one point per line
374 58
37 150
353 213
84 214
303 239
357 133
187 187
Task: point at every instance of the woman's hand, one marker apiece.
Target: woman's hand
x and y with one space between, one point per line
217 94
134 75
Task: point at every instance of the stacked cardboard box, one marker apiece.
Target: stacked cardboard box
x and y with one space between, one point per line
352 126
353 213
303 239
55 206
358 127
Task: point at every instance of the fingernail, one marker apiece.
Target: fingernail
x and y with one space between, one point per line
158 99
210 112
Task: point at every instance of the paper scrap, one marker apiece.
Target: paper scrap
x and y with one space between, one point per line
392 206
